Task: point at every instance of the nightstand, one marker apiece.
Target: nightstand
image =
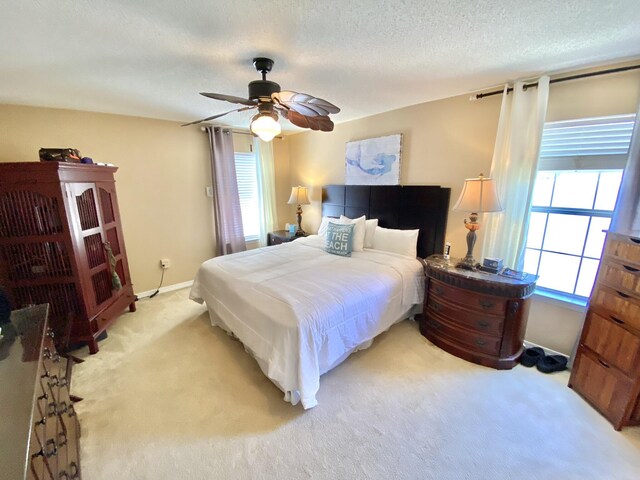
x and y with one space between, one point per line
281 236
478 316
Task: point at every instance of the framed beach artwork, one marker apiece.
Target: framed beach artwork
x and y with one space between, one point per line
374 161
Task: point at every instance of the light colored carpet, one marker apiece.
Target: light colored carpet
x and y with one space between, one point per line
170 397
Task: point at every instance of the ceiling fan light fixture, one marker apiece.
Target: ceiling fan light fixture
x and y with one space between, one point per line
265 125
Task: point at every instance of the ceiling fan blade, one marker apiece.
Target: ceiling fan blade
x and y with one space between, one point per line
322 122
228 98
217 116
305 104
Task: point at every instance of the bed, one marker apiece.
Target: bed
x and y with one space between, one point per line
300 311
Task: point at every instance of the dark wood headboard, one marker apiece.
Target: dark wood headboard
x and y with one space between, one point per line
404 207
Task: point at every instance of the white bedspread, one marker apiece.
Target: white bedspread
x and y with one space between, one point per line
301 311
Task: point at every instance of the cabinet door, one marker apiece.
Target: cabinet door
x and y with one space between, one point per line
89 238
112 228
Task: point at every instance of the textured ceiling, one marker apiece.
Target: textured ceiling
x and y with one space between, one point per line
151 57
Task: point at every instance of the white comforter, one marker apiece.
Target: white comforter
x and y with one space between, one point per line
301 311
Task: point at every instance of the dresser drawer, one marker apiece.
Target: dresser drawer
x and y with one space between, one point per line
606 388
472 340
623 247
622 306
621 275
474 320
476 301
615 345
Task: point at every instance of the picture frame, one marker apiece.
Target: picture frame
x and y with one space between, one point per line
374 161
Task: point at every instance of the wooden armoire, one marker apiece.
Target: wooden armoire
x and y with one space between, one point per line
61 243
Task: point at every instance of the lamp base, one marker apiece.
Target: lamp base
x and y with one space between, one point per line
467 263
300 233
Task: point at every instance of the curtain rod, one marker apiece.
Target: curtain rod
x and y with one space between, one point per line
478 96
238 132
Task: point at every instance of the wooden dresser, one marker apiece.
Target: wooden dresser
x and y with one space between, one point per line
39 431
606 368
480 317
58 223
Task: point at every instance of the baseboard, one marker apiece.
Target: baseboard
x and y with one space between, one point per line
168 288
547 351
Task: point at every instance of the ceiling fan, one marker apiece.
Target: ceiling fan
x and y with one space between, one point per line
300 109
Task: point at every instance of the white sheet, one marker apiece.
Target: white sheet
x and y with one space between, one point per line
301 311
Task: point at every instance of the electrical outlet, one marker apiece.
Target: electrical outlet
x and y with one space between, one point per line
165 263
209 191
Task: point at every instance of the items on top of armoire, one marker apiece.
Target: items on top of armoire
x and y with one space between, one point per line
61 242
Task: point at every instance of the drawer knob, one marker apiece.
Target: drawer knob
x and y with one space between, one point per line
616 319
622 294
50 448
486 304
438 290
480 342
436 306
73 470
631 269
483 323
435 325
62 408
604 364
44 396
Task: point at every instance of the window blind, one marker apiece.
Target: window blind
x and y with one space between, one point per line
585 144
247 178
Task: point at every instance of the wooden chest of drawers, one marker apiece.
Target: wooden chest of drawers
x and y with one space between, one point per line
477 316
42 439
606 369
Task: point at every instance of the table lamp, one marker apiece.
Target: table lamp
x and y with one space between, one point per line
299 196
478 195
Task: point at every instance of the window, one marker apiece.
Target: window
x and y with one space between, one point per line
579 175
247 176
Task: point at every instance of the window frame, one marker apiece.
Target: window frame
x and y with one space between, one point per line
566 152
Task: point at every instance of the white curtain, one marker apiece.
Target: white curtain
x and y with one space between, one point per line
266 188
626 217
514 166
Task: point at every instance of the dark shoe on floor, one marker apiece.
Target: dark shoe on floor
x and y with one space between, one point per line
552 363
531 356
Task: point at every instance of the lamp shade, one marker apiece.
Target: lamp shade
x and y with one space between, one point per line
299 196
266 126
479 195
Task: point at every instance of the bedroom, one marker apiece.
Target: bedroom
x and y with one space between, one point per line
118 90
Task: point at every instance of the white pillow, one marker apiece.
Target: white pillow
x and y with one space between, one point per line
369 232
403 242
358 231
322 229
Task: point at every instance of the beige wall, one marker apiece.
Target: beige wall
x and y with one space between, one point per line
443 142
163 172
448 140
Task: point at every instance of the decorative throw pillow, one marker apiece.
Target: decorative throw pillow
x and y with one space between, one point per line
403 242
339 239
369 232
358 231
